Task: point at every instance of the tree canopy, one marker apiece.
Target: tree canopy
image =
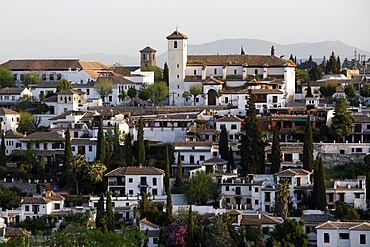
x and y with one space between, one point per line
289 233
30 78
342 120
104 87
6 78
159 90
195 91
201 188
157 72
64 84
328 90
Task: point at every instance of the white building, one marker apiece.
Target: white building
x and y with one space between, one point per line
9 119
151 231
35 207
211 71
233 125
343 234
12 141
10 95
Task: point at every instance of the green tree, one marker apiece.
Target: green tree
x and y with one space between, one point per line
186 95
328 90
302 75
223 144
101 222
218 235
332 66
342 120
345 212
231 162
94 172
307 159
144 93
128 149
109 213
101 143
76 166
2 148
259 240
157 72
319 191
242 51
190 239
40 168
104 87
25 122
289 234
365 91
64 84
351 94
252 145
179 179
309 90
159 90
67 147
275 152
122 96
315 73
6 78
167 173
169 207
131 92
165 73
30 78
201 188
118 150
284 188
195 91
140 143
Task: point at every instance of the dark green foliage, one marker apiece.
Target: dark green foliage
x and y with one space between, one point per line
332 66
345 212
315 73
157 72
252 145
30 78
365 90
131 92
218 235
307 159
302 75
140 142
101 144
309 90
259 240
223 144
179 178
351 94
101 222
290 231
33 225
6 78
67 147
342 120
242 51
231 162
144 94
275 152
165 73
309 64
190 240
167 173
109 213
9 198
128 149
2 148
169 207
118 149
328 90
319 191
64 84
201 188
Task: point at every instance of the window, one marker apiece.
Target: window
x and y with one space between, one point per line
256 189
195 72
130 180
175 44
231 137
90 148
234 71
214 154
237 191
57 206
215 71
130 192
27 208
342 151
222 126
201 157
331 197
182 157
288 157
326 237
178 76
155 241
343 235
227 188
233 126
362 239
256 72
191 159
51 77
256 202
226 100
154 181
143 56
357 195
155 192
274 99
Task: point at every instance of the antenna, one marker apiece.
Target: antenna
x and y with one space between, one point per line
177 27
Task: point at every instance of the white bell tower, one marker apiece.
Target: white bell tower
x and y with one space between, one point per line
177 58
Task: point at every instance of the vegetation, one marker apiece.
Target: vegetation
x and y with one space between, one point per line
179 179
289 233
275 152
157 72
195 91
131 92
319 191
342 120
315 73
64 84
165 73
2 148
30 78
201 188
6 78
333 65
159 91
144 93
328 90
307 160
101 146
104 87
223 144
351 94
140 143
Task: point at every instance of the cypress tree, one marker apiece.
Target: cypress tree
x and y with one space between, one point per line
101 222
2 148
179 178
128 149
190 241
140 143
242 51
275 152
259 240
309 89
165 73
167 173
231 162
67 148
252 145
319 191
223 145
109 213
101 144
169 207
307 160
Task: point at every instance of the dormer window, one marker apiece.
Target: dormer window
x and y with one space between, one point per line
175 44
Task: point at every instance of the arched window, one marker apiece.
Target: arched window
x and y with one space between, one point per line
175 44
143 56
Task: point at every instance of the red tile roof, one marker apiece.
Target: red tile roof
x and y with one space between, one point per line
138 170
177 35
249 60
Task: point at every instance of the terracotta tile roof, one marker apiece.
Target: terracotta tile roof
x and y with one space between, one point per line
143 170
54 196
46 84
361 118
193 144
363 226
83 141
311 218
53 98
118 80
93 65
16 232
293 172
13 134
249 60
177 35
212 81
229 118
35 200
147 222
337 225
234 212
253 220
11 90
215 160
152 233
148 49
70 92
261 91
6 111
286 149
44 136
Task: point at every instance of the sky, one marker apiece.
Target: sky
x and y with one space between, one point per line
57 28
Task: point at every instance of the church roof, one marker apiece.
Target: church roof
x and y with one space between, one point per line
70 92
248 60
137 170
177 35
148 49
212 81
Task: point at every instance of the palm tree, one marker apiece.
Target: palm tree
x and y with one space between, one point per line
75 167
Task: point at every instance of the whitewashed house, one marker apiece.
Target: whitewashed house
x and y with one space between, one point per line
343 234
10 95
70 100
151 232
12 141
9 119
233 125
35 207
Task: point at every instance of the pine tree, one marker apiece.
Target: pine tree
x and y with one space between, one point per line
252 145
275 152
101 144
101 222
331 65
307 159
179 178
338 65
2 148
68 147
109 213
140 143
128 149
223 145
190 240
319 191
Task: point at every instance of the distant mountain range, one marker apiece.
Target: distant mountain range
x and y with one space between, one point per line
301 51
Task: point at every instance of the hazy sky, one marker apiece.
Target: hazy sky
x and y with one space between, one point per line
56 28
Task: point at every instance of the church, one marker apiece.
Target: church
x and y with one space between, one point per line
227 79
